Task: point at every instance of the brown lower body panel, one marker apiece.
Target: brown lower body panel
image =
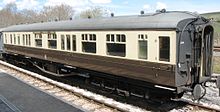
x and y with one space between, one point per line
156 73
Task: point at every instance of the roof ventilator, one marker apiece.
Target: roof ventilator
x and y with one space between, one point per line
161 11
112 14
142 12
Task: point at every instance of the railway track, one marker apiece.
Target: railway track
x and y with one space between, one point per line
201 107
75 96
86 100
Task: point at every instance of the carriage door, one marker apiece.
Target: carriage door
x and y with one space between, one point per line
206 53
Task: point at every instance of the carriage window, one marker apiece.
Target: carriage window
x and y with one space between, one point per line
68 42
23 38
164 48
6 41
116 48
108 37
14 39
120 38
38 40
74 42
52 41
89 43
18 39
62 42
143 46
11 38
27 37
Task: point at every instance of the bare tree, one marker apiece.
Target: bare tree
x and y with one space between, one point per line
28 16
8 15
61 12
95 12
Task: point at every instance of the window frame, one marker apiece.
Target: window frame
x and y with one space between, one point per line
143 38
11 41
89 38
23 39
169 49
14 40
74 42
51 37
115 39
38 37
19 39
62 42
68 42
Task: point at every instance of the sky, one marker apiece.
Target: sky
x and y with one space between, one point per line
123 7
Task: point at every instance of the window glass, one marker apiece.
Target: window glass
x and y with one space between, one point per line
83 37
15 39
164 48
54 36
62 42
26 37
52 44
49 36
29 39
89 47
18 39
52 41
118 38
23 38
117 48
94 37
86 37
142 36
38 40
89 43
74 42
11 38
107 37
123 39
68 42
142 49
112 39
112 36
6 40
90 37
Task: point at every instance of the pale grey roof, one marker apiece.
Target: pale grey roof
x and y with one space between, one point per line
1 29
153 21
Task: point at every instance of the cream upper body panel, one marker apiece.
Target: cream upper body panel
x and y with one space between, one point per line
101 47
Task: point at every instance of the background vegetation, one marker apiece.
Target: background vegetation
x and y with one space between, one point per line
215 16
10 15
216 64
216 22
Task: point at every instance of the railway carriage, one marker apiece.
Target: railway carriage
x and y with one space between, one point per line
164 51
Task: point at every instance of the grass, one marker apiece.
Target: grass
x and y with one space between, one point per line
214 15
216 23
216 64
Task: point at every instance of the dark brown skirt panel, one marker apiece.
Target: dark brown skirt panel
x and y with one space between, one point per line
157 73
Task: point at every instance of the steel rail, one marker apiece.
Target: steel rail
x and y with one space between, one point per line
113 106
